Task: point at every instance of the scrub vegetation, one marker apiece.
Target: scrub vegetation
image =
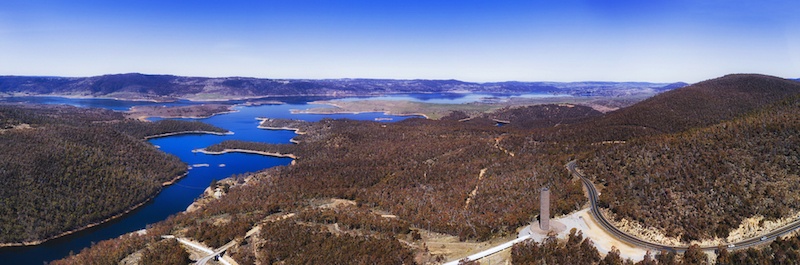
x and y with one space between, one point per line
694 161
703 183
63 168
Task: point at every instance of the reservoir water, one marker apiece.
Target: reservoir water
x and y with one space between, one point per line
177 197
454 98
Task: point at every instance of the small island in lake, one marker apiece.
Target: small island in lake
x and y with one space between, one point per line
192 111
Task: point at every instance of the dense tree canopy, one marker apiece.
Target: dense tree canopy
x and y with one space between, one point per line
703 183
694 163
63 168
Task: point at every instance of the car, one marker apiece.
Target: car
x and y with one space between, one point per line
763 238
731 246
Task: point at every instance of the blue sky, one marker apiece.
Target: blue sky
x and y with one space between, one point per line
482 40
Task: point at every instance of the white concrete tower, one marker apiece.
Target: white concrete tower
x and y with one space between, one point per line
544 210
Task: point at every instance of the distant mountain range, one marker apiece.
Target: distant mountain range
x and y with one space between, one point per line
166 87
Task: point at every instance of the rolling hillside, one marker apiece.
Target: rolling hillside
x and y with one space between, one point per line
734 155
703 183
63 168
695 106
704 103
169 87
695 162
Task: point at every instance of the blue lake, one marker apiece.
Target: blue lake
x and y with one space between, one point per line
454 98
105 103
178 196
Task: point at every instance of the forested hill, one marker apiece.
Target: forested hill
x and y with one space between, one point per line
141 86
63 168
704 182
695 106
704 103
361 183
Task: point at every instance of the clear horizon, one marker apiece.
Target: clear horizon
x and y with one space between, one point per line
472 40
357 78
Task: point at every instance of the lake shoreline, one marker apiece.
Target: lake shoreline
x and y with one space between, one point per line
261 125
144 112
186 132
225 151
343 111
119 215
127 210
57 247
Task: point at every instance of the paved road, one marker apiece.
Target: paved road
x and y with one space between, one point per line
210 253
490 251
611 229
216 252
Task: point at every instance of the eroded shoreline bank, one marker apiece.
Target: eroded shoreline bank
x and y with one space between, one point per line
114 217
225 151
126 211
186 132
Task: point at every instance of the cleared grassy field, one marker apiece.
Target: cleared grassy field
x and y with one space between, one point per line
437 111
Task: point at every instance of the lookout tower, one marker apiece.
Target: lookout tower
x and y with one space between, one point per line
544 209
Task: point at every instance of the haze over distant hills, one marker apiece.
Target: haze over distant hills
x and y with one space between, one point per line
165 87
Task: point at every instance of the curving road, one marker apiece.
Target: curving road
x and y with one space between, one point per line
217 253
210 253
490 251
614 231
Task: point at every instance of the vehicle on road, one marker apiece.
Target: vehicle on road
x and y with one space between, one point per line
763 238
